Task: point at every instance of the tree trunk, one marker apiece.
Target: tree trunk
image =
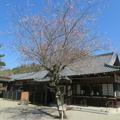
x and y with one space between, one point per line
60 105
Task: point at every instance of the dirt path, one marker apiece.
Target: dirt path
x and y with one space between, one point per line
10 110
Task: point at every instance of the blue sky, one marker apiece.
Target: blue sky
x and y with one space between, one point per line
108 25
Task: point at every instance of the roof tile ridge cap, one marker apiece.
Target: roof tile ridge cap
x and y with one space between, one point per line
105 54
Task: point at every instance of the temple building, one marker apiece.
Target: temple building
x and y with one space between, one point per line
95 81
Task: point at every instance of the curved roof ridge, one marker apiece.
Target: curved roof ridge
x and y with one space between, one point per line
104 54
114 58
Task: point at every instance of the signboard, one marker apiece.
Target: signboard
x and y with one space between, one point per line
25 96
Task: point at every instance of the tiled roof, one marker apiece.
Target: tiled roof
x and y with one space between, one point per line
83 66
4 79
22 76
93 64
29 76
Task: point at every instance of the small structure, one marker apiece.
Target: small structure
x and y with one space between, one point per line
95 82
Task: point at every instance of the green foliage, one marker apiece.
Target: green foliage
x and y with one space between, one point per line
6 72
2 55
26 69
1 62
21 69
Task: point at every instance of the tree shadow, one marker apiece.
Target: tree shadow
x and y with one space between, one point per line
49 114
29 113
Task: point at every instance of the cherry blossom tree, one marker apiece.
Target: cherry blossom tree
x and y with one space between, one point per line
58 36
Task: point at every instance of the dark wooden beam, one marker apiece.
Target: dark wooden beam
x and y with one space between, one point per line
100 79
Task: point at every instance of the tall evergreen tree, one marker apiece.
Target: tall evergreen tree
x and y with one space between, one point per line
1 62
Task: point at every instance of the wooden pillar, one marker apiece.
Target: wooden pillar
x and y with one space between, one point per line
67 97
116 85
115 89
33 93
45 94
107 90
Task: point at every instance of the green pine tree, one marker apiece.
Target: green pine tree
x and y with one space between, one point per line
1 62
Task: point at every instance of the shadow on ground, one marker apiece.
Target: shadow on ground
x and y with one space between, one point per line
27 113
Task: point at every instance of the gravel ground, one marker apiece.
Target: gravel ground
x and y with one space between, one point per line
10 110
